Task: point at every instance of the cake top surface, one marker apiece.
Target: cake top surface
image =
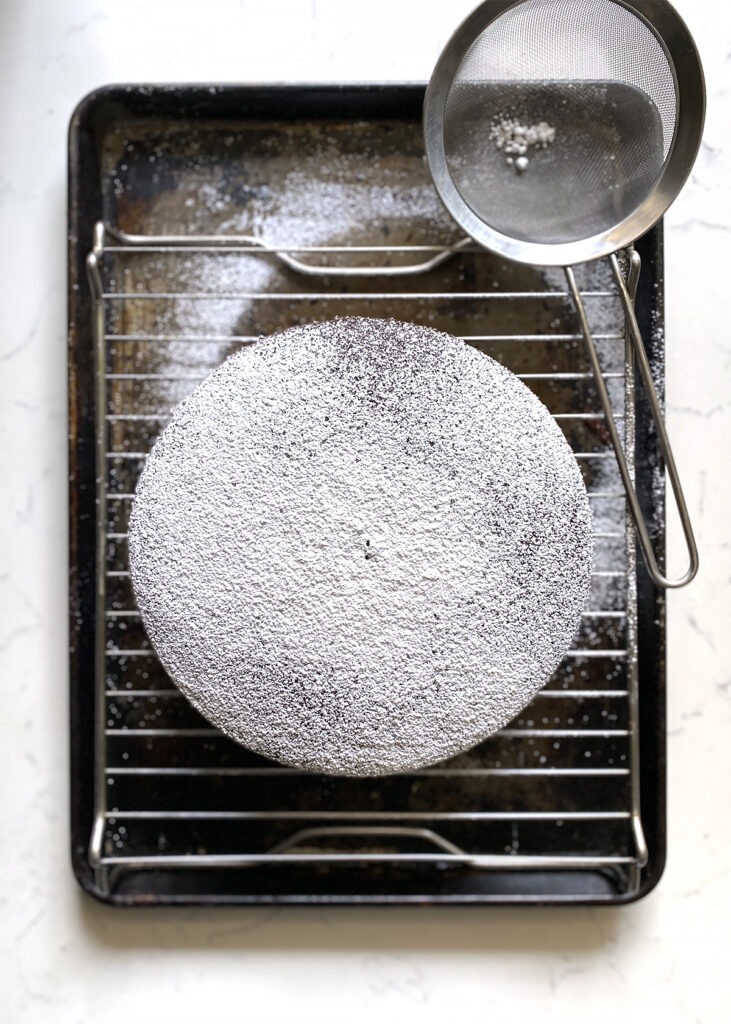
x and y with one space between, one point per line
360 546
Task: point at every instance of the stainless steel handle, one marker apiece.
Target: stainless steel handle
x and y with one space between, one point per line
657 418
240 243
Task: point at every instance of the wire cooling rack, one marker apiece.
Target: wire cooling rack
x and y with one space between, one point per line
550 807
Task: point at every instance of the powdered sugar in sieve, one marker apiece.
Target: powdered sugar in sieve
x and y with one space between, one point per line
360 547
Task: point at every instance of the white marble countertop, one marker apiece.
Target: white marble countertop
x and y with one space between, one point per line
64 957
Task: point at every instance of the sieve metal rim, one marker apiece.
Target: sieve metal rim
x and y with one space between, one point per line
673 35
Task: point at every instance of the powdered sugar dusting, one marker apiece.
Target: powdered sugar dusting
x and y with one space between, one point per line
311 212
333 197
361 546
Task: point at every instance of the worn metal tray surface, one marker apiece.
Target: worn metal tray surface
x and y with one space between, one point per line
172 190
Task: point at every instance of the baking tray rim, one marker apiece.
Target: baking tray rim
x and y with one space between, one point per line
137 101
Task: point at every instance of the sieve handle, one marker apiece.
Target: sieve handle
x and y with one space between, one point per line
657 418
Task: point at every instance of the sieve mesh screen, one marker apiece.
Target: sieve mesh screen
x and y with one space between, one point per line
597 76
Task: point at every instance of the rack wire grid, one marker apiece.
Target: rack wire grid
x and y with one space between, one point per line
559 789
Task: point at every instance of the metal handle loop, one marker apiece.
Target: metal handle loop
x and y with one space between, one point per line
657 418
283 254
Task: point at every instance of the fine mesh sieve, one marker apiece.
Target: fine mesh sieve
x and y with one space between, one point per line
559 131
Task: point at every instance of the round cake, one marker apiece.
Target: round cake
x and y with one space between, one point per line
360 547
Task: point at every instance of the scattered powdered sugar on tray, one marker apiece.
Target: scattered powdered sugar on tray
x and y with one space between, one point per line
361 546
311 212
304 210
